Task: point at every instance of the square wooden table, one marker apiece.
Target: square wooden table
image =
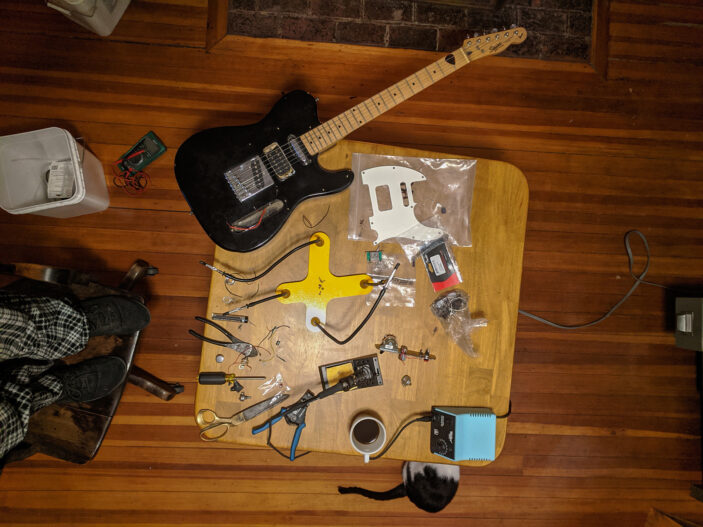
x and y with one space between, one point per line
491 271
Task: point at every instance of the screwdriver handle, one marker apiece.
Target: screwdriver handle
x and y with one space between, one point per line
212 377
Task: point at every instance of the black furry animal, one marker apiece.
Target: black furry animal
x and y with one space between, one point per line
430 486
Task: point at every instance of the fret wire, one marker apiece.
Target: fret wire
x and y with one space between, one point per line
418 80
361 112
333 131
326 131
359 118
342 124
409 87
366 102
350 123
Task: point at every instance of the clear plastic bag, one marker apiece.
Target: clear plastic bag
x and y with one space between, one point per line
411 200
452 310
401 292
274 386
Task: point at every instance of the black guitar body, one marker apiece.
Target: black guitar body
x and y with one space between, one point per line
242 195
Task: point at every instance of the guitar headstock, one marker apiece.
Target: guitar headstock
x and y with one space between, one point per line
493 43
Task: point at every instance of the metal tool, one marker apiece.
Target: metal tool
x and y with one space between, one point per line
246 349
390 344
220 377
295 418
209 420
230 318
243 396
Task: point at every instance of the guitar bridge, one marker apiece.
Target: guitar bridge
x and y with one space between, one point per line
249 178
278 161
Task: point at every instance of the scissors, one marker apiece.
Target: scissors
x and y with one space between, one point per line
234 343
209 420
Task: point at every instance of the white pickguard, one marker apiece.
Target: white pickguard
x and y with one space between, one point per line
399 221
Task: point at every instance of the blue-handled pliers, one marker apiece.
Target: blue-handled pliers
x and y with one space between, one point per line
296 418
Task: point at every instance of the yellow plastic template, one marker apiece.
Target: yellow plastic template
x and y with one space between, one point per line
320 285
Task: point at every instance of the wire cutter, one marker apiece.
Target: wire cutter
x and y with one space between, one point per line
295 418
234 343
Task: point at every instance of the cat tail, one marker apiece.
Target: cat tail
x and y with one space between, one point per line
395 493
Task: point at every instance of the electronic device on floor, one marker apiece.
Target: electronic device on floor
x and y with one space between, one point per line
143 153
461 433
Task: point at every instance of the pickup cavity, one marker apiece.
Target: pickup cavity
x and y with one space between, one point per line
253 220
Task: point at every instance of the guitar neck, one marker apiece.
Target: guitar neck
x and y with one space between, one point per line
328 133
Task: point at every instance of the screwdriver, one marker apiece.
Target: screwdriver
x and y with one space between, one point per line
220 377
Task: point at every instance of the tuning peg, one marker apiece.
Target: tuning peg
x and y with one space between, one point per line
475 34
494 30
513 26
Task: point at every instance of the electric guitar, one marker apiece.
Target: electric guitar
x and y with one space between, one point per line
243 182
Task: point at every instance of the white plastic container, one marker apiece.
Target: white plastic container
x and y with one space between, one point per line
100 16
24 162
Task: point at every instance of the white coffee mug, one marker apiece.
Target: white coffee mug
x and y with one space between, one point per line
367 435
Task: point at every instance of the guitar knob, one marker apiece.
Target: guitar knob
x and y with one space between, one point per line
442 447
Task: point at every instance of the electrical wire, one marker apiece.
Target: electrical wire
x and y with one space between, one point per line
256 302
423 418
309 224
638 280
267 271
316 322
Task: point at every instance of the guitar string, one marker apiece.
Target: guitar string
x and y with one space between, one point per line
291 153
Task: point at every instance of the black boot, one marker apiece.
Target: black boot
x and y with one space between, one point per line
114 315
91 379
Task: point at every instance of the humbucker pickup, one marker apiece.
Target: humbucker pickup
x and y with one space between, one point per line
278 161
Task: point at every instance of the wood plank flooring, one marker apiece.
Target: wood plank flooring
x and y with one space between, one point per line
605 420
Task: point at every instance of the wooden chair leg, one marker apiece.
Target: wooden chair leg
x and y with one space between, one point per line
152 384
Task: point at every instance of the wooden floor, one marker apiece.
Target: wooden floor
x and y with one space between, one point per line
605 420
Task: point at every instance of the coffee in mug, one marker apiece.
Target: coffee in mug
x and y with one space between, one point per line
367 435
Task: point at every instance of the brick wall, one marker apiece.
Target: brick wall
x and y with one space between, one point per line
557 29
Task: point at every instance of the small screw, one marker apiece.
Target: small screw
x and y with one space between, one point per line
243 396
406 380
219 358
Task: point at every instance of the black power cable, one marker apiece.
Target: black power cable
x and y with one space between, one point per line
316 321
268 270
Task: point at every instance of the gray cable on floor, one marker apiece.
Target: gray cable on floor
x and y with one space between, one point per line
638 280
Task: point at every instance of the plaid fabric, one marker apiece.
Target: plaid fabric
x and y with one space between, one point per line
33 332
40 328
